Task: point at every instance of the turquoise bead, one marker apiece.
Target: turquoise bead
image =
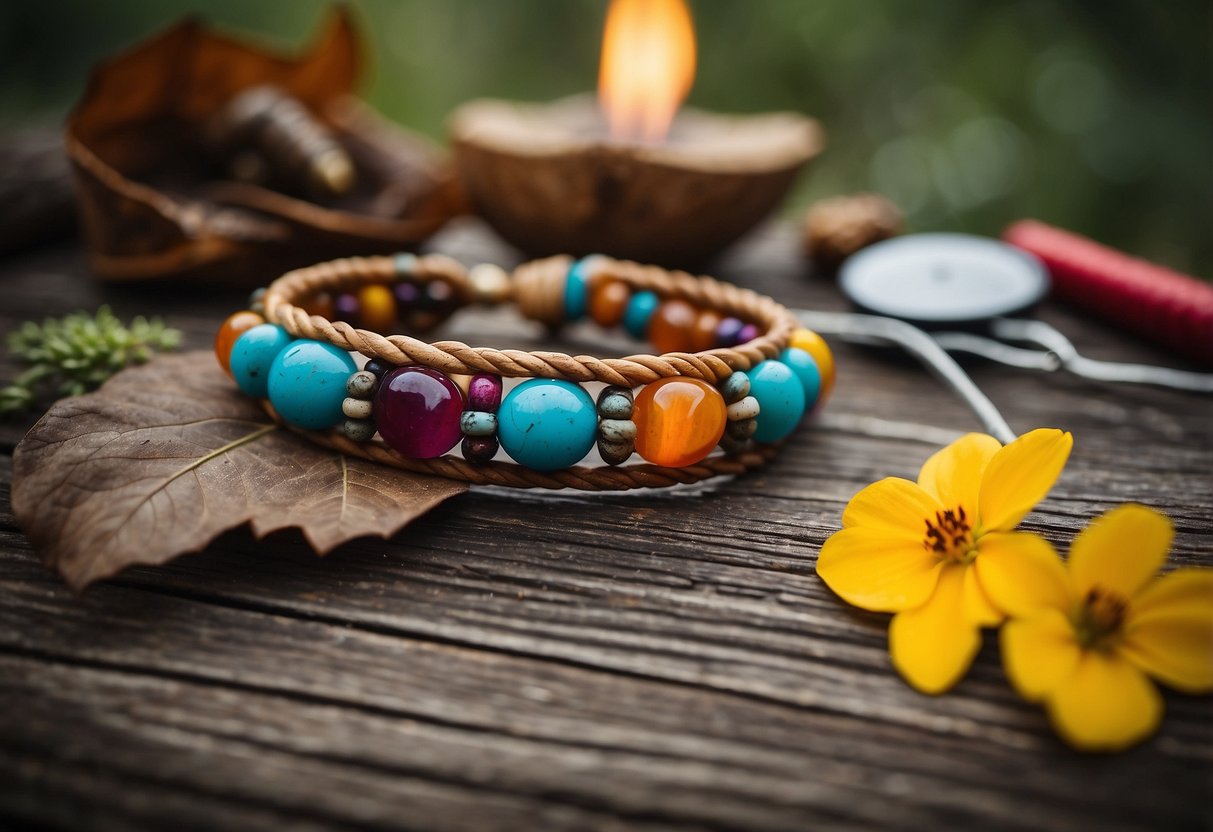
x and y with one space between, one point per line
307 383
805 368
639 312
546 424
577 290
781 399
252 355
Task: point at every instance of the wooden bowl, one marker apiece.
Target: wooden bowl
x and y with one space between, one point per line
548 180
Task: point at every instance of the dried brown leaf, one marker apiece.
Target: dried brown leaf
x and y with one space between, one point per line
166 456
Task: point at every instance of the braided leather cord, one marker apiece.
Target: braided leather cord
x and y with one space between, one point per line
538 290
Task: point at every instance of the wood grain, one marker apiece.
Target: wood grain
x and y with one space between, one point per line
649 661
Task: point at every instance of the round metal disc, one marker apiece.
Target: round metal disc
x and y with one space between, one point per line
936 279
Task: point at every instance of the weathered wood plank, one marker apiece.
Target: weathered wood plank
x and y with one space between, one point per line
522 661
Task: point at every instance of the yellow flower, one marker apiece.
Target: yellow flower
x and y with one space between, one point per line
932 552
1084 639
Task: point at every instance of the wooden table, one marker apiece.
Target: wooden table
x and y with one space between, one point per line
528 661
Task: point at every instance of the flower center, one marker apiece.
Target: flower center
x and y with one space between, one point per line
950 536
1099 617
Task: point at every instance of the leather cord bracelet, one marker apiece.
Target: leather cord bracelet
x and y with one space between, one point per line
734 377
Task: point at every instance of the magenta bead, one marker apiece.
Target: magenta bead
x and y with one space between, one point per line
727 331
748 333
417 412
484 393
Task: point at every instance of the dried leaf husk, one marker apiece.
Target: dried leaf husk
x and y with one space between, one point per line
154 204
166 456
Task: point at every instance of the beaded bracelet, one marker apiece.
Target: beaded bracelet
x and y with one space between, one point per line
736 371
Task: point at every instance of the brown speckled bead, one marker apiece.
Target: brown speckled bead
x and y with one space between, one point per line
358 430
614 453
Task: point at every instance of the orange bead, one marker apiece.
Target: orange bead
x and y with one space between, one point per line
321 304
678 421
670 329
703 333
377 308
231 329
815 345
608 301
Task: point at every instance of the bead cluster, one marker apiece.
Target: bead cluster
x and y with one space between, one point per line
383 307
543 424
670 324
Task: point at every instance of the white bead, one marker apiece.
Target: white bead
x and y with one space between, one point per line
490 284
747 408
356 408
617 430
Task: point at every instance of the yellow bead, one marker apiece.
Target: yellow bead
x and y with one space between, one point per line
377 308
678 420
815 345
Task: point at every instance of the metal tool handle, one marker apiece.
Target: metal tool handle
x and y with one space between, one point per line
1039 333
886 331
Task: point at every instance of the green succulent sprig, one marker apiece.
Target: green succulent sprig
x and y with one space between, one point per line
78 352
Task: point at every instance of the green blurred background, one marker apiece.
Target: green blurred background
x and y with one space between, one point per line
1092 115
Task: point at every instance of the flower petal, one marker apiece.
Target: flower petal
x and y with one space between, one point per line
933 645
978 609
1120 550
1039 652
953 474
1020 475
1020 572
1106 704
1169 633
894 504
878 570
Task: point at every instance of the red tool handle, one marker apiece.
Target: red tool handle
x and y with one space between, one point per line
1158 303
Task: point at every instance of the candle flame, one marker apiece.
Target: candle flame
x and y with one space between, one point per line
648 65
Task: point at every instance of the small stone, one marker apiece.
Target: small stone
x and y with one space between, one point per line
356 408
736 387
479 449
615 403
742 430
747 408
617 430
614 453
362 384
478 423
358 430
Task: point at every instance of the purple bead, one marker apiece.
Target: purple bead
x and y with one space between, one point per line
484 393
406 292
727 331
417 411
478 449
748 333
345 307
